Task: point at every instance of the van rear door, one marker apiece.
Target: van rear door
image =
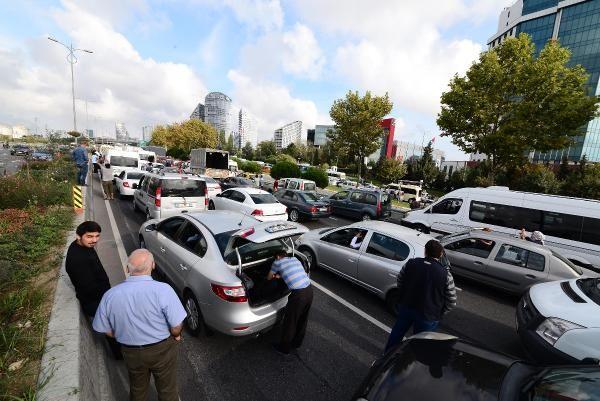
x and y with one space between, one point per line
184 194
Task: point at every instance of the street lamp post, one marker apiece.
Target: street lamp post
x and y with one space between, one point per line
72 59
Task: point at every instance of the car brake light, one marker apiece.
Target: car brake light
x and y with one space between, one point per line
247 233
378 208
230 294
157 197
257 212
126 184
313 209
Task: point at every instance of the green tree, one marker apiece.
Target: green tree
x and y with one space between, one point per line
390 170
247 151
357 120
317 175
538 178
291 150
186 136
178 153
266 149
510 102
230 147
426 169
221 140
563 170
250 167
285 169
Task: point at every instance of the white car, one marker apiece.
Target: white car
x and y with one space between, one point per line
212 185
254 202
125 181
559 322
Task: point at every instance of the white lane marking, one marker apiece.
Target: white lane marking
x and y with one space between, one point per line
353 308
118 240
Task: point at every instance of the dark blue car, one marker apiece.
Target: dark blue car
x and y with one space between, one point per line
303 204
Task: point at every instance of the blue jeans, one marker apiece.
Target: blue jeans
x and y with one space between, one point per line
408 317
82 174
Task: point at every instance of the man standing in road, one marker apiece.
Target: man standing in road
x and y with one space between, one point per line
85 269
80 157
299 302
426 292
146 317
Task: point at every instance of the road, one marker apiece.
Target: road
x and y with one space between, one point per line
340 343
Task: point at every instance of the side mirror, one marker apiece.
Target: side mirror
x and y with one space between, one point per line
150 228
219 195
134 186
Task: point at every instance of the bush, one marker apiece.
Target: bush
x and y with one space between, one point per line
178 153
317 175
285 169
250 167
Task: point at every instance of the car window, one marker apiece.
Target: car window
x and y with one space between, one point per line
143 183
340 195
153 185
472 246
288 195
356 197
310 197
134 175
226 194
123 161
292 185
447 206
387 247
192 239
341 237
237 196
169 227
122 175
263 198
516 256
370 199
183 187
568 383
309 186
385 199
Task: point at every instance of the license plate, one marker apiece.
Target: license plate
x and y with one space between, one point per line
183 205
323 209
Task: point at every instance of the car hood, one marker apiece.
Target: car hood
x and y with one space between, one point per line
424 369
551 300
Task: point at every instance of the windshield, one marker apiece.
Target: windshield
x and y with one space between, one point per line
310 197
244 181
134 176
574 384
566 261
309 186
123 161
590 287
263 198
183 187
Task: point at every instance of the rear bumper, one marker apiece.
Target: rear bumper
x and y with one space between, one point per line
315 216
174 212
275 217
127 191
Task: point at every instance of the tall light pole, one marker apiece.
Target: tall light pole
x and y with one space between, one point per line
72 59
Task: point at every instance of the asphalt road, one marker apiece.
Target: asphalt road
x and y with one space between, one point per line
340 344
9 164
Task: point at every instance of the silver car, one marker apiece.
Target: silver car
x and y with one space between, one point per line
218 262
505 262
375 263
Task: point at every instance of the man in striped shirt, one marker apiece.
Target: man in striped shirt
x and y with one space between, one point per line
299 302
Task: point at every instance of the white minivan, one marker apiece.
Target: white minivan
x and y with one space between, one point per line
571 225
121 160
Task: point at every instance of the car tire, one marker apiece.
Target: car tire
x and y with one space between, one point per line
194 320
312 258
391 301
366 217
293 215
420 227
211 205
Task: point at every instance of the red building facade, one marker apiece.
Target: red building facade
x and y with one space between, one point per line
387 147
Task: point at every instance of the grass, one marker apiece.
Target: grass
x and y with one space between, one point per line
31 242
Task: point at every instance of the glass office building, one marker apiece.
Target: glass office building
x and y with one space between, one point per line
576 25
217 111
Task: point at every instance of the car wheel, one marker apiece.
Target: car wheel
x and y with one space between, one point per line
391 301
194 320
211 205
294 215
366 217
422 228
310 257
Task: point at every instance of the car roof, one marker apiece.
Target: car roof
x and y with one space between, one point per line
173 176
220 221
500 236
248 190
395 230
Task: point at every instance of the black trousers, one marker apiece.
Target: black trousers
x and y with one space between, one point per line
295 319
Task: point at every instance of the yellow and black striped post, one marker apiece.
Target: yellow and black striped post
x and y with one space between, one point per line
77 198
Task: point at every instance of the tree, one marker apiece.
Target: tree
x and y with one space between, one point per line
291 150
266 149
426 169
390 170
538 178
285 169
178 153
563 170
357 120
221 140
230 147
510 102
317 175
247 151
250 167
186 136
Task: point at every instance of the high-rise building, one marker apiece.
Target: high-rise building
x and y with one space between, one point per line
310 137
217 109
406 151
121 132
575 24
198 113
247 129
321 134
289 133
147 132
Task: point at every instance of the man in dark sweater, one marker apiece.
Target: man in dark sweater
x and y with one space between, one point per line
426 290
85 269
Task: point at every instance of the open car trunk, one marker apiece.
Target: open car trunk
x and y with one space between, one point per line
259 290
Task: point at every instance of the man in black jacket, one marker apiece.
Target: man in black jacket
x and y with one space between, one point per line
426 289
85 269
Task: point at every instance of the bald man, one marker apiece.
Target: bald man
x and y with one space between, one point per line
146 317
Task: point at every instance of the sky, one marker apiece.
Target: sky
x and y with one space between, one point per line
153 61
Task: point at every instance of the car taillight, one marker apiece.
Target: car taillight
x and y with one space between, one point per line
157 197
378 208
313 209
247 233
125 184
257 212
230 294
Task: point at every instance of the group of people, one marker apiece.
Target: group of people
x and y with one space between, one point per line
101 166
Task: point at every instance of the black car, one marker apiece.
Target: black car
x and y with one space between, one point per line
21 150
361 204
235 182
437 366
303 204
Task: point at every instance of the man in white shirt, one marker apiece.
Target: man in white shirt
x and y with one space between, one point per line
357 240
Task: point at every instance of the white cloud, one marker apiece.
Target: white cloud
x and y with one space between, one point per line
302 56
119 84
257 14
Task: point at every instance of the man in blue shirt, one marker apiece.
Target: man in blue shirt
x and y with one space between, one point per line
146 317
299 302
80 157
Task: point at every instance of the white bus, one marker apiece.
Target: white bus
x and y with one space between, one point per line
571 225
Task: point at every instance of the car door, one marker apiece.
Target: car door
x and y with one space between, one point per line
119 181
339 202
165 247
355 205
191 247
236 202
516 269
336 253
140 194
444 216
381 261
470 257
220 199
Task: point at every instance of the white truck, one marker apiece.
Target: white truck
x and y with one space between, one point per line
211 162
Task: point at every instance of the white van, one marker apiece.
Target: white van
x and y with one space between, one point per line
571 225
121 160
144 156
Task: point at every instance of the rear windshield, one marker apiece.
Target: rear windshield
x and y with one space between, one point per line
309 186
134 176
183 187
209 180
244 181
253 251
263 198
310 197
123 161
